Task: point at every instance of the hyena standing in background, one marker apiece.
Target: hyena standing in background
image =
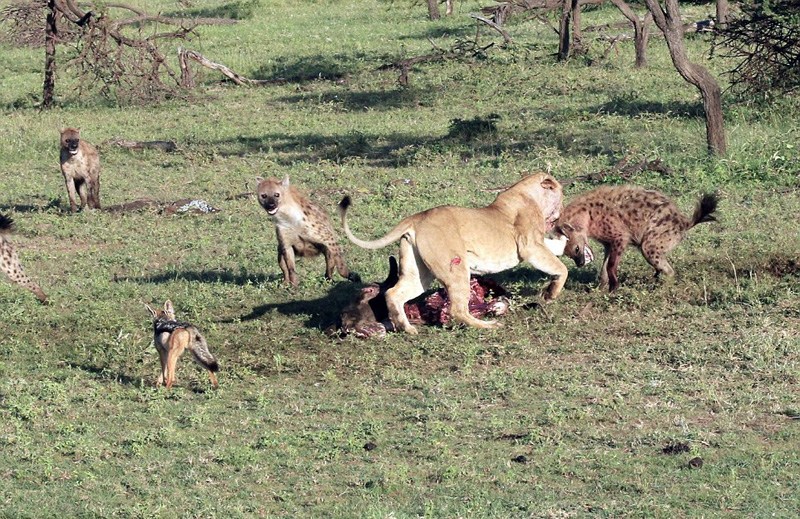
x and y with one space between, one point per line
617 216
80 165
303 229
9 261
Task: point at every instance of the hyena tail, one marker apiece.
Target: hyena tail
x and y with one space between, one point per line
6 224
344 271
199 349
705 207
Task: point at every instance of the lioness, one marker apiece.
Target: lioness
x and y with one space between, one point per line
449 243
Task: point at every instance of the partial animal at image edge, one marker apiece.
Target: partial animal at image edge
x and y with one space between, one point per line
10 264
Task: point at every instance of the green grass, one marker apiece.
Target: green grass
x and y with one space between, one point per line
590 390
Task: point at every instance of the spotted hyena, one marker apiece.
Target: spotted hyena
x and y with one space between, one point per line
618 216
80 165
303 229
9 261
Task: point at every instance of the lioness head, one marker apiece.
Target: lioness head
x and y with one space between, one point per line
70 140
270 192
547 193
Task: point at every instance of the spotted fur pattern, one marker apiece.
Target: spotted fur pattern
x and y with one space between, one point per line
303 229
9 261
618 216
80 165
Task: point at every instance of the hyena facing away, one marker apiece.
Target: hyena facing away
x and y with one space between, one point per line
303 229
80 165
617 216
9 261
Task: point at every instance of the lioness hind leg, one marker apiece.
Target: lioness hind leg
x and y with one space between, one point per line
414 279
542 259
452 271
459 307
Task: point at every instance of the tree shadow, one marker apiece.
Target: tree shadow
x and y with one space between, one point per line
239 10
322 312
105 373
240 278
361 101
328 67
638 107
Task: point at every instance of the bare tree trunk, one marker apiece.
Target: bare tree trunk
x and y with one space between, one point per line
433 10
576 24
669 21
49 85
641 30
722 13
563 31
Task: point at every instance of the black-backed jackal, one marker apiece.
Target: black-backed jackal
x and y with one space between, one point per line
172 337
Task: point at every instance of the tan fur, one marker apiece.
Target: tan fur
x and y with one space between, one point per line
80 165
171 338
9 261
617 216
302 227
449 243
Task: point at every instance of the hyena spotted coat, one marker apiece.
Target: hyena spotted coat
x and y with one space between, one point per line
9 261
80 165
618 216
303 229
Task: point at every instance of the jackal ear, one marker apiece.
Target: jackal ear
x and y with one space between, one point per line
285 182
150 309
168 308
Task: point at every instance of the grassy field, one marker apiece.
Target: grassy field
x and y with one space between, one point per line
591 406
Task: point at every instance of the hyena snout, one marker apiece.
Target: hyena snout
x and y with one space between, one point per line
269 203
72 145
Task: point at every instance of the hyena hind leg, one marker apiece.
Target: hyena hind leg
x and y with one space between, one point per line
655 251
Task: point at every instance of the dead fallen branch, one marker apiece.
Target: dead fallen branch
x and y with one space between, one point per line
497 27
187 81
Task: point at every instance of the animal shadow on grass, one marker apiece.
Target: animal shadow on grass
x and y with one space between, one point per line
118 376
322 312
205 276
34 204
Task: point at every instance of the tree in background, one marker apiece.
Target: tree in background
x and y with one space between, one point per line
765 41
668 19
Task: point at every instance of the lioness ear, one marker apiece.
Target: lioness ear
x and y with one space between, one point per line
549 183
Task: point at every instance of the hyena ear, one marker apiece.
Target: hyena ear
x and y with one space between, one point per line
259 180
285 182
566 229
